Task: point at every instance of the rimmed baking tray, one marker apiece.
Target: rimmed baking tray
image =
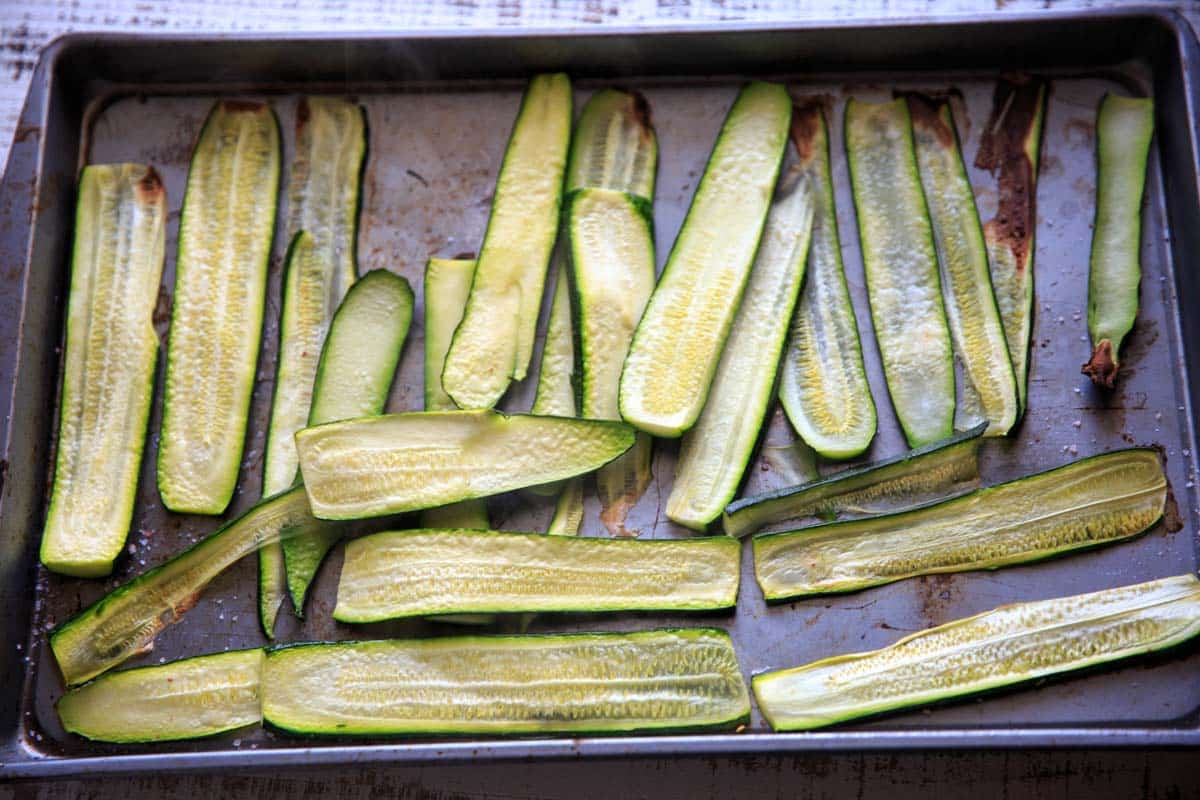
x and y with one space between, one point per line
440 105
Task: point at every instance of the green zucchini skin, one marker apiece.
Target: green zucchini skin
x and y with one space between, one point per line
217 312
422 572
901 267
933 468
109 359
822 380
686 679
1088 503
1009 645
1124 128
185 699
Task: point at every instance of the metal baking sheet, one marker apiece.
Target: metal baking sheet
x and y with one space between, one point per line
439 114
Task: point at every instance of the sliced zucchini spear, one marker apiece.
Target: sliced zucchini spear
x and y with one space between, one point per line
108 367
494 341
1009 150
901 268
216 318
679 339
1008 645
570 683
408 462
989 387
1123 132
715 452
822 381
1094 501
865 490
184 699
423 572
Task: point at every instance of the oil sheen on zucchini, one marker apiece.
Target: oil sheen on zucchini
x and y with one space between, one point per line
124 622
714 454
494 341
108 367
1123 131
1091 502
408 462
683 679
822 381
678 342
901 268
989 390
1008 645
225 235
905 479
184 699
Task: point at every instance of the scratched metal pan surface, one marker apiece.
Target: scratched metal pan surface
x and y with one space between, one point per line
440 108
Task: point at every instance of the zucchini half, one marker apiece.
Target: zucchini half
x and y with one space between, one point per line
423 572
901 268
822 381
1008 645
683 679
1123 131
108 367
225 233
714 454
408 462
1091 502
494 342
184 699
679 339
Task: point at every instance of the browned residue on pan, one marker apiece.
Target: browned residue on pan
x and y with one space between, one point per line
806 128
150 187
638 112
303 114
239 106
1102 367
926 113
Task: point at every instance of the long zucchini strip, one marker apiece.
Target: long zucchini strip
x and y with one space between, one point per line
714 454
183 699
822 381
1094 501
1009 645
989 387
1008 149
422 572
408 462
609 227
494 341
865 490
901 268
108 367
225 235
354 377
1123 132
681 679
679 340
124 622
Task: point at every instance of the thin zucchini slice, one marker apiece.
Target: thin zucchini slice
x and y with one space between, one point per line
225 235
108 367
684 679
1009 150
679 339
417 573
989 387
184 699
1123 131
355 374
1091 502
124 622
408 462
901 268
822 381
864 490
568 511
1008 645
714 454
614 145
494 341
